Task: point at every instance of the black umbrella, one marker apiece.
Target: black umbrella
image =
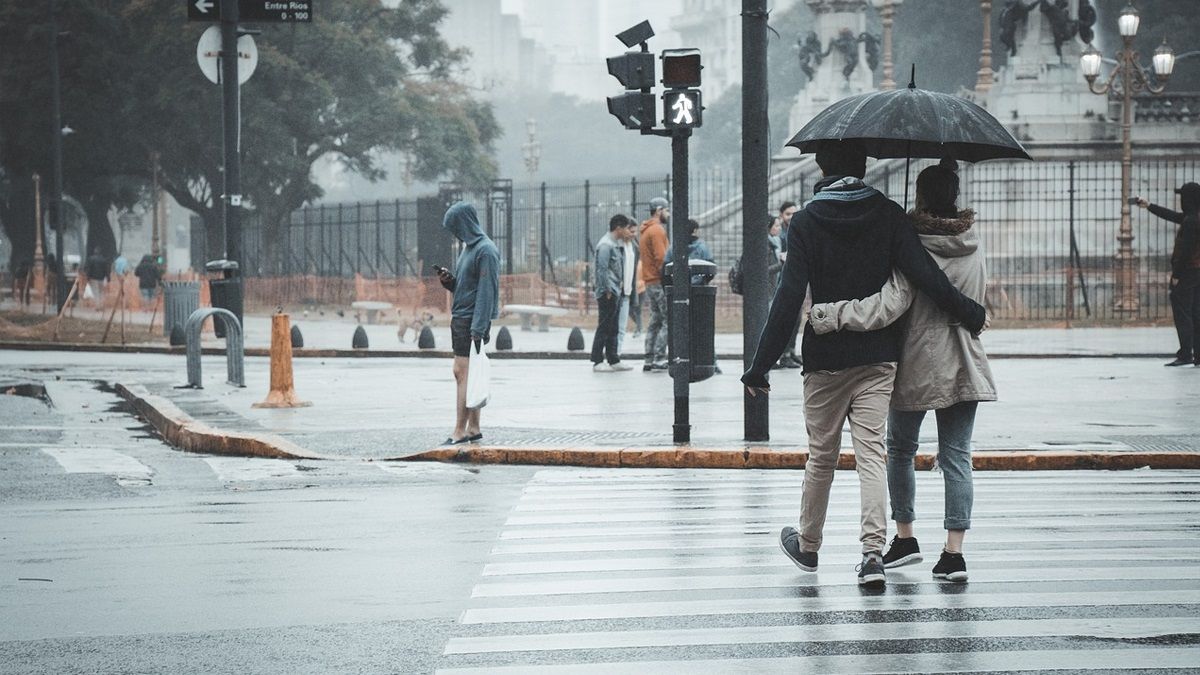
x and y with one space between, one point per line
911 123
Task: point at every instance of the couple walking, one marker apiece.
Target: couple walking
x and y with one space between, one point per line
867 265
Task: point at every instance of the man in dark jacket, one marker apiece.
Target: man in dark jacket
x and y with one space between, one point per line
844 244
148 276
1185 271
475 284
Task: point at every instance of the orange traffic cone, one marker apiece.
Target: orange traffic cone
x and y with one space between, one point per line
283 392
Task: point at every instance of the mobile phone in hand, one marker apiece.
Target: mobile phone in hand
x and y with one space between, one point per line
1133 201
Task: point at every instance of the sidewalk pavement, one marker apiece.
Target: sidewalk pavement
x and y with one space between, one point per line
1053 412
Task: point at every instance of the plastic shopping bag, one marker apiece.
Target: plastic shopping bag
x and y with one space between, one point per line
478 377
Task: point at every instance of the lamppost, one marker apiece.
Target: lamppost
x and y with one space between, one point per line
887 14
1127 77
531 152
985 78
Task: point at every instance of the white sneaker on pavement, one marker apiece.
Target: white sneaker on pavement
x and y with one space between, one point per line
602 367
620 366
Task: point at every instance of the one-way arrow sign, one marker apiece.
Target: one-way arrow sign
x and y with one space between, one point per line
205 8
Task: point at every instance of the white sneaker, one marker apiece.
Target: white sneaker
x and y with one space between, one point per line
602 367
620 366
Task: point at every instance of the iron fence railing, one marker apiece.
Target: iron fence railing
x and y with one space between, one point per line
1048 229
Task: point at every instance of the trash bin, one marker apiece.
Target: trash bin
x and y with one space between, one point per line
180 299
703 308
225 290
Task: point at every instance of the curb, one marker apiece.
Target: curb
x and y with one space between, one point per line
765 458
445 354
180 430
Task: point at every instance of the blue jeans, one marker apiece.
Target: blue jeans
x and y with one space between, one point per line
955 426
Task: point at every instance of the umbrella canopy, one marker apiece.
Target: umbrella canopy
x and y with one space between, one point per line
912 122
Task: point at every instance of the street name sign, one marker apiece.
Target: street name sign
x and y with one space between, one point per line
283 11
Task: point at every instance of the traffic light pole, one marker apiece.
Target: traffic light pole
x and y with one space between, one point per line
681 279
231 126
755 298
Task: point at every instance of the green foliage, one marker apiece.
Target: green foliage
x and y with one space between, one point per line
363 79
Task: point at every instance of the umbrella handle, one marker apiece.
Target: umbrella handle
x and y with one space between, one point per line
907 162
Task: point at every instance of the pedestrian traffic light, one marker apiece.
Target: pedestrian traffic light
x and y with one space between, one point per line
635 110
682 109
681 68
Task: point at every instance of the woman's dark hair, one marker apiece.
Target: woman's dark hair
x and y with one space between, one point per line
937 189
785 206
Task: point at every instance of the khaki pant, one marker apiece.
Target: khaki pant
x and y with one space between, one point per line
862 394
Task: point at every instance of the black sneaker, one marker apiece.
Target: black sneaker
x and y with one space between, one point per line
789 542
951 567
870 571
1179 361
902 552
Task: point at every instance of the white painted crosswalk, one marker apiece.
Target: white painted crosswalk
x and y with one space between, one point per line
618 571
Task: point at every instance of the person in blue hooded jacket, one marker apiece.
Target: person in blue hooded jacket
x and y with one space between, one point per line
475 285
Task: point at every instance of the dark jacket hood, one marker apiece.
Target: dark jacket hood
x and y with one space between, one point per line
1189 198
845 212
462 221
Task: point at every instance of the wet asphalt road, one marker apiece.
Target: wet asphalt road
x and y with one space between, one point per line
119 554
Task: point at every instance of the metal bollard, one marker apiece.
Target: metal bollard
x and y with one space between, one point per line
235 353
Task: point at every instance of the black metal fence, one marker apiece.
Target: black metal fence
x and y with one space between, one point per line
1048 228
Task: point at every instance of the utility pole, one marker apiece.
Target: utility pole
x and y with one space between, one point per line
56 172
755 156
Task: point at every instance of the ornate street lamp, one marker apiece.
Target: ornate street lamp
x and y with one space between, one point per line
1128 76
531 152
887 14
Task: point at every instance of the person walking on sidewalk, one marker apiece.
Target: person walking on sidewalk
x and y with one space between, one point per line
475 285
653 247
610 286
1185 271
149 277
629 281
784 219
942 368
843 245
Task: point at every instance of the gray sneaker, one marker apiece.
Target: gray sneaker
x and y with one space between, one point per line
870 571
789 542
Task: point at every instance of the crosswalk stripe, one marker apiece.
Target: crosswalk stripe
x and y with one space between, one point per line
126 469
924 662
1122 628
1089 539
239 469
700 560
793 580
793 605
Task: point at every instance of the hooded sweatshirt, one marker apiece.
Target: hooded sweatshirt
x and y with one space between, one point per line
477 271
843 245
653 245
1186 255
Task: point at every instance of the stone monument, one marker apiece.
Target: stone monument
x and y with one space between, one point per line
838 57
1039 94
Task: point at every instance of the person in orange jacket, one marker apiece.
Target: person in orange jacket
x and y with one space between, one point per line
652 248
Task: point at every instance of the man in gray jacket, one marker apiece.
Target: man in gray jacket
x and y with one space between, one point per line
475 284
610 287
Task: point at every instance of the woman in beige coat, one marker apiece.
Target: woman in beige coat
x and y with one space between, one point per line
942 368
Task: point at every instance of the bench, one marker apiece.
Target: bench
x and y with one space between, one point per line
527 312
371 307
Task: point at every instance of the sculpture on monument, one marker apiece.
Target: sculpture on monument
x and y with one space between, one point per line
1013 15
1087 19
811 56
1063 27
809 47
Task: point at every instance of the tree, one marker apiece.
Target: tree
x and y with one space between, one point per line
362 79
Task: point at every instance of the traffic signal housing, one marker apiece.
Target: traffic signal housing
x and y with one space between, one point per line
682 109
635 110
634 70
681 68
